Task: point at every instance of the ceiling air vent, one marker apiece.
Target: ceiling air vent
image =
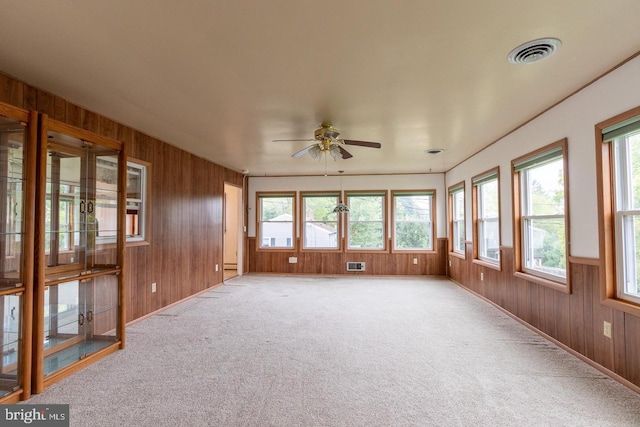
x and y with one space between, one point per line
533 51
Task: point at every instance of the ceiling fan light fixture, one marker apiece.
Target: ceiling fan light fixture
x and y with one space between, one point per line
341 208
335 152
315 152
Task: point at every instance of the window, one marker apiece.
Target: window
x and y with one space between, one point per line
486 217
320 225
276 213
456 219
540 206
413 220
619 159
137 201
137 194
366 215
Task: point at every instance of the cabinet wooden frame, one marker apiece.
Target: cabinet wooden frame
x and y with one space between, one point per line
75 271
25 286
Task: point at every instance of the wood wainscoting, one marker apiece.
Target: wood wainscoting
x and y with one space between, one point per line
574 320
186 200
383 263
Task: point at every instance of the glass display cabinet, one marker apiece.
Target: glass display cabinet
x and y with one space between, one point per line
81 213
17 197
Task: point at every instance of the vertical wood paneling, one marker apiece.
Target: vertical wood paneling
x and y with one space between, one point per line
632 347
576 319
11 91
185 240
619 343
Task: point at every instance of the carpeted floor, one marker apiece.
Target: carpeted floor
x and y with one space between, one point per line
266 350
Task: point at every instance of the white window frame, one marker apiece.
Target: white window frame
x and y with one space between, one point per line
457 222
308 223
624 216
353 212
479 183
142 235
395 196
523 241
143 202
291 239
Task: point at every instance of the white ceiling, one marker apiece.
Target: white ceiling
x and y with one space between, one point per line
222 79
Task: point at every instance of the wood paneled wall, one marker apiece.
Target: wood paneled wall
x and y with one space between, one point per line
186 201
385 264
575 320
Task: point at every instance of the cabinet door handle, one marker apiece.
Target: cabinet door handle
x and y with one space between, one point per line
90 316
81 319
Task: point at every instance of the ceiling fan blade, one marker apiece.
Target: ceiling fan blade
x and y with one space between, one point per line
303 151
345 153
292 140
363 143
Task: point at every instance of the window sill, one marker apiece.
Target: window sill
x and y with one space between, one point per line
458 255
558 286
322 250
137 243
622 305
492 265
414 251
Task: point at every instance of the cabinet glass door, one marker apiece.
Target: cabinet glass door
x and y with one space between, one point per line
10 337
81 250
81 220
13 137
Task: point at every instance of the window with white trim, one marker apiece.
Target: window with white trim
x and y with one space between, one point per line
136 202
320 225
456 219
366 221
486 209
540 186
625 140
413 220
276 220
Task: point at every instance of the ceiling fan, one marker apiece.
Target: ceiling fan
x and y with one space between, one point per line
327 142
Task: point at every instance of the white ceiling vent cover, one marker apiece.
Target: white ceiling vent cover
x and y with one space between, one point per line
355 266
533 51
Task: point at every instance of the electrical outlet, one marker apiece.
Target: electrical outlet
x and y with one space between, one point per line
217 268
415 261
607 329
293 260
449 263
481 276
153 287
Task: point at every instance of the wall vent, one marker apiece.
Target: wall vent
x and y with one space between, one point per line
355 266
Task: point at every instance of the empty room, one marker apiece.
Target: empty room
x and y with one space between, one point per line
320 213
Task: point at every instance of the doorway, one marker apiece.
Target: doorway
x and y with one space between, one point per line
233 231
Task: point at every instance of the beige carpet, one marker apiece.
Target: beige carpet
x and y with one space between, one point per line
266 350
